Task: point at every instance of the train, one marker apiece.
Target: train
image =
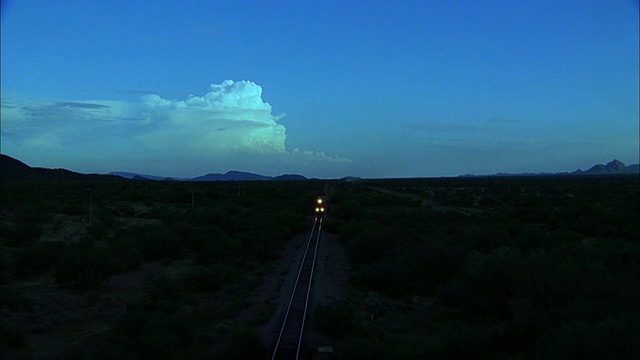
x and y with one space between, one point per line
320 206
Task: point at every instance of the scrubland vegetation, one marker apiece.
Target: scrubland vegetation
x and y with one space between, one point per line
496 268
211 244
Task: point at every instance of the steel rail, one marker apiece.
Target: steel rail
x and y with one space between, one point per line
306 303
306 258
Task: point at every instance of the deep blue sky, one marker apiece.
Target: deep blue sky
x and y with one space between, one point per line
321 88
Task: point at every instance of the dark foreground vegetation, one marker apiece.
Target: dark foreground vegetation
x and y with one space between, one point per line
495 268
140 269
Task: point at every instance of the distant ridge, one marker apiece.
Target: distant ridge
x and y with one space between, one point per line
134 176
228 176
11 168
289 177
614 167
232 176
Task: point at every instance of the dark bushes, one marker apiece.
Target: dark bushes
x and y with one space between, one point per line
36 258
160 243
82 268
335 320
210 278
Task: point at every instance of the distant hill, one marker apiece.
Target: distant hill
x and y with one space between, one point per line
232 176
613 167
14 168
228 176
134 176
289 177
11 168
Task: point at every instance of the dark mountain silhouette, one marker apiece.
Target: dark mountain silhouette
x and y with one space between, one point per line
130 175
232 176
228 176
613 167
11 168
289 177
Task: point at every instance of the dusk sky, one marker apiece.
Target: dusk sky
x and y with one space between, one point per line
320 88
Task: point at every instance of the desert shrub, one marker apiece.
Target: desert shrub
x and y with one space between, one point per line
374 245
106 215
125 254
495 272
36 258
202 236
168 216
492 279
5 268
161 243
245 344
260 241
491 340
163 287
26 233
74 208
12 298
222 249
451 293
431 263
31 214
291 222
181 228
335 320
12 335
370 348
81 268
7 233
485 237
383 277
210 278
150 330
98 230
164 335
610 339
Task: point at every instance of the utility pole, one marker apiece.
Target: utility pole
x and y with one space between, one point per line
90 209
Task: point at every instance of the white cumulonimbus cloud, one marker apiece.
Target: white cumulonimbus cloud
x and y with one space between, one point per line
231 117
229 127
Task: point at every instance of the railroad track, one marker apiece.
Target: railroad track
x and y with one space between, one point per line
289 344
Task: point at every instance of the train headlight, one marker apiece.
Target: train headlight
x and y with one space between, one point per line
319 201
